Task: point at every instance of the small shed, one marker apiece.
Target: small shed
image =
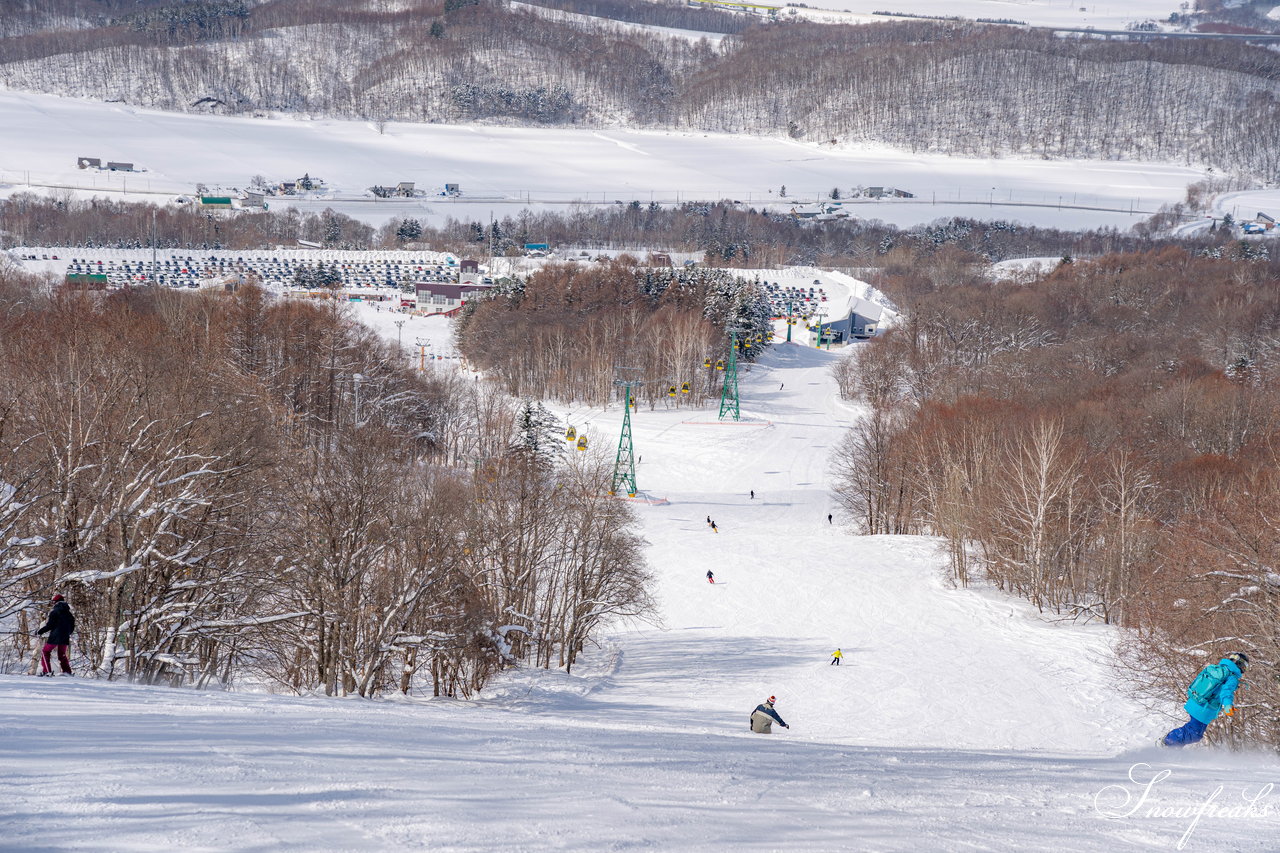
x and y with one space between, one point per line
119 166
89 162
660 259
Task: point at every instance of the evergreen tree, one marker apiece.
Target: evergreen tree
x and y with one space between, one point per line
332 228
410 229
539 441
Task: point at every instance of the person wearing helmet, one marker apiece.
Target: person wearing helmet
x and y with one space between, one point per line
60 625
763 718
1212 692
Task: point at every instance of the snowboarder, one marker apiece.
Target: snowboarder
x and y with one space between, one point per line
763 718
714 529
753 494
708 521
836 656
61 624
828 518
781 385
711 578
1212 692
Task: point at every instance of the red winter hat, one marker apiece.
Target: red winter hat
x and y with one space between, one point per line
57 598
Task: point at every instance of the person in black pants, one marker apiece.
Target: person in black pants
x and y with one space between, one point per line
60 625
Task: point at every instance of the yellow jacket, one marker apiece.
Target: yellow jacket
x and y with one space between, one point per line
836 654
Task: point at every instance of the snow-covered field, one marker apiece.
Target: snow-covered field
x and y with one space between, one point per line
1038 13
502 170
1248 203
961 720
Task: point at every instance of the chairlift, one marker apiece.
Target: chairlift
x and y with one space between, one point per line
582 442
570 434
671 390
684 388
719 364
706 362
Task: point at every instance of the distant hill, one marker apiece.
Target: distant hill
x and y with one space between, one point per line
951 87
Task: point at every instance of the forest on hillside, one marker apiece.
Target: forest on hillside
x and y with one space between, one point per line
582 326
938 86
1103 441
234 490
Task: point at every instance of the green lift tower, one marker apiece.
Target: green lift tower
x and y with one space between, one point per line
729 396
624 464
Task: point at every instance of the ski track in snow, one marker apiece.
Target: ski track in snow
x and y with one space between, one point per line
961 720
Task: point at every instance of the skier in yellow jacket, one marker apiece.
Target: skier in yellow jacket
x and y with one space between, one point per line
836 656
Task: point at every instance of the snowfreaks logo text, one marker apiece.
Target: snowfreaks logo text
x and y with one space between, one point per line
1140 800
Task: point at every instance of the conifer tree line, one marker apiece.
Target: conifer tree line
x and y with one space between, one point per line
937 86
240 490
566 331
1103 441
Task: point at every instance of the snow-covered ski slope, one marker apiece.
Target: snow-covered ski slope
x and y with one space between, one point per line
959 721
503 170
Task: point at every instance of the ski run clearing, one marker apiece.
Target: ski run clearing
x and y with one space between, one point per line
960 720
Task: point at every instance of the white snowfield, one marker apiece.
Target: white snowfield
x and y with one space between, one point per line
504 170
1112 15
960 720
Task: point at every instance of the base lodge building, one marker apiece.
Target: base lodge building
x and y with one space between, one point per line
435 298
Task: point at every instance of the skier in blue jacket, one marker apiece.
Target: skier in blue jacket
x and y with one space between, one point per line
1204 708
763 718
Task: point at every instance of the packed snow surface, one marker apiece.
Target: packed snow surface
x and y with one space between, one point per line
961 719
503 170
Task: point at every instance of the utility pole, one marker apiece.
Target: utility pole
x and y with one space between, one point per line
624 464
729 396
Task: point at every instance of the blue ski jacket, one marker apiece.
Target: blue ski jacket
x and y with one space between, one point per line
766 708
1224 698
